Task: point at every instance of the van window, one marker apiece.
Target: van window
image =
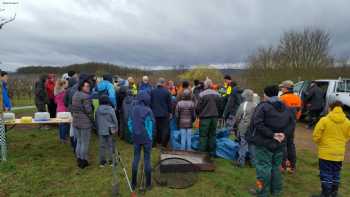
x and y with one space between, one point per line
343 86
297 87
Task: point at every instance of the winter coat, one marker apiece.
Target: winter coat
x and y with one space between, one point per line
145 87
315 97
5 96
69 96
272 117
141 120
209 104
128 103
331 135
105 85
161 102
82 110
40 92
106 119
244 116
185 114
49 87
233 103
59 100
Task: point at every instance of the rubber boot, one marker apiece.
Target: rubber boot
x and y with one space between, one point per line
335 189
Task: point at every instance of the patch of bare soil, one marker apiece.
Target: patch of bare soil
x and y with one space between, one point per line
303 141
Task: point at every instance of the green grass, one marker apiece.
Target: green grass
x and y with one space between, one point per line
19 102
38 165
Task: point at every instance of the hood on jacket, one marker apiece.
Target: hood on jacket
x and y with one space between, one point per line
108 77
337 115
277 103
104 109
103 85
144 98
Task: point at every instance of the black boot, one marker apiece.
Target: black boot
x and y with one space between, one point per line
85 163
80 163
335 189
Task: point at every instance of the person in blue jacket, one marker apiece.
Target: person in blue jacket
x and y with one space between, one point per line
5 94
106 87
141 124
145 85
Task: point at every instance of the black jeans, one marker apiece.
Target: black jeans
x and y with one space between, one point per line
289 153
162 134
314 117
52 108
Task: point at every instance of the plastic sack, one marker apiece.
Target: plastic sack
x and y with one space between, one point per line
226 148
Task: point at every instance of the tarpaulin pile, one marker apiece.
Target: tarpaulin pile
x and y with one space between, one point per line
225 147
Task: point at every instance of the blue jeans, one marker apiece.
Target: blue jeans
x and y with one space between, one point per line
186 134
147 148
63 129
329 175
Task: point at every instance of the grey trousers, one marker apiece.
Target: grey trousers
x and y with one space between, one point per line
83 140
244 148
106 147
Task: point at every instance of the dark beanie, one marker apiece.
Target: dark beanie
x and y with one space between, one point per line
108 78
271 90
104 100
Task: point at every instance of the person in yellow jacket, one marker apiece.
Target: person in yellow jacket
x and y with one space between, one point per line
331 135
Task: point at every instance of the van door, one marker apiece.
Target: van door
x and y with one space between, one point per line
342 92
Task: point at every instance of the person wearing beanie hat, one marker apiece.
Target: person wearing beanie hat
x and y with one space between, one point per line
107 126
106 87
293 102
272 123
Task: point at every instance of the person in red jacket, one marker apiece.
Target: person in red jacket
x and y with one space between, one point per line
50 88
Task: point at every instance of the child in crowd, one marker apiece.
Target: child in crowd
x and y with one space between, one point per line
141 124
244 116
59 94
185 115
107 126
331 135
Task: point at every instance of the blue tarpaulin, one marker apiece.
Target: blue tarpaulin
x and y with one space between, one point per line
225 147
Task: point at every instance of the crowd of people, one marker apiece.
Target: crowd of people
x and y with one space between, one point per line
141 113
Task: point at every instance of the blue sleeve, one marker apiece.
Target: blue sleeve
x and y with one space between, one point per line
6 99
130 125
112 95
149 125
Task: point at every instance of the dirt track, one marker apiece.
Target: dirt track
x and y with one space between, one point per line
303 141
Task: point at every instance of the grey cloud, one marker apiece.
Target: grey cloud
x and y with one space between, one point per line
162 32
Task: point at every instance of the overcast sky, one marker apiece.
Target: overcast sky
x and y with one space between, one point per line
160 32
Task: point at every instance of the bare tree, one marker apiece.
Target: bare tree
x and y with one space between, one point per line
298 55
4 21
